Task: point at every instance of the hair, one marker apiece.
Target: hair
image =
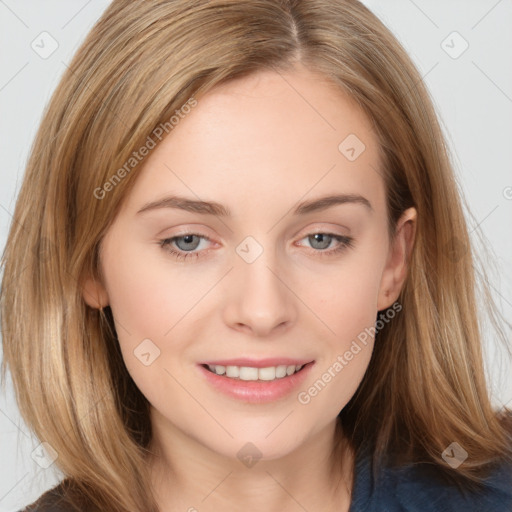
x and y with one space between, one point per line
425 386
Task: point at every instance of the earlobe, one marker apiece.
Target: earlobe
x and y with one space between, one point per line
395 272
94 293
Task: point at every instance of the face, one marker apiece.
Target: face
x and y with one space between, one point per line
269 272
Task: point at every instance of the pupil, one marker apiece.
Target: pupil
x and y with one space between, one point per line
319 237
186 240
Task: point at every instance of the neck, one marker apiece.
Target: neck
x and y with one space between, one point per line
189 476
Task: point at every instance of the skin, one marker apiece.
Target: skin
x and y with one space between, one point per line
258 145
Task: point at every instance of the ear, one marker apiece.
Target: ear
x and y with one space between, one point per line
395 271
94 293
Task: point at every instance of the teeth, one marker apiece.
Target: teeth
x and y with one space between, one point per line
266 373
246 373
250 373
232 371
219 370
280 371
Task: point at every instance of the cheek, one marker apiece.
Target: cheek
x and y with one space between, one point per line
149 295
346 302
350 314
153 298
345 296
146 304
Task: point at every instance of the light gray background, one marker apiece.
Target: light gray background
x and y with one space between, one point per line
472 93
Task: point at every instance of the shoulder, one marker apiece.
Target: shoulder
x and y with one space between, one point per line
57 499
424 488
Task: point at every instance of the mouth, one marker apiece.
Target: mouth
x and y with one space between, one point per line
256 384
255 373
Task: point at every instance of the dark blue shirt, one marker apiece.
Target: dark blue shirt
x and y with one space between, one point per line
421 488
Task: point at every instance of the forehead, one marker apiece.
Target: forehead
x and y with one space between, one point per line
271 135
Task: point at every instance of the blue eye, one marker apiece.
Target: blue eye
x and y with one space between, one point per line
184 251
324 240
189 242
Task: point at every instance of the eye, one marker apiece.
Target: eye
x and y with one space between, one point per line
186 244
321 241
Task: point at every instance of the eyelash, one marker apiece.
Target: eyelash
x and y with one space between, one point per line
346 242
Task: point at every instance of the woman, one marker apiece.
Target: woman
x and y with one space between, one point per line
317 347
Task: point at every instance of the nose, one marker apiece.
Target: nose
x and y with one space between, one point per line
258 298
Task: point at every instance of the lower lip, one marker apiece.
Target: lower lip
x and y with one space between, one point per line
253 391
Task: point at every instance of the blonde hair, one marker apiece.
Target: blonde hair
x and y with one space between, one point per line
425 386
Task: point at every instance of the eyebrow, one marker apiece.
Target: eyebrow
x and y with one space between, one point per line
219 210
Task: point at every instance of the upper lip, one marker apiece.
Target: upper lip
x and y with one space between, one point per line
258 363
